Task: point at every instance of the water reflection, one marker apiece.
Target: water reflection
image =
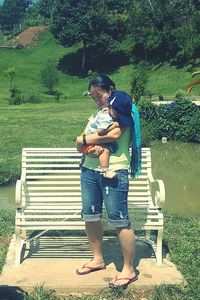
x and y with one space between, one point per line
178 164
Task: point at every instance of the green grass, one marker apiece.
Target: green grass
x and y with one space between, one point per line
39 125
165 79
182 235
28 64
6 230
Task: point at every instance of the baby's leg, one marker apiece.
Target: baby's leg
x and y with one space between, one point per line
104 159
104 164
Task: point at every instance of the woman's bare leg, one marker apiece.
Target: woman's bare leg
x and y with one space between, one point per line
127 243
95 237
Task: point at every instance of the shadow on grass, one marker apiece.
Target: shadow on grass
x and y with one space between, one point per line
71 63
11 293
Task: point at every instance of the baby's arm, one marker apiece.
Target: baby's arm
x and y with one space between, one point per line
102 132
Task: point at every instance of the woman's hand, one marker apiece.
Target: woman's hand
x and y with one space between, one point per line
96 151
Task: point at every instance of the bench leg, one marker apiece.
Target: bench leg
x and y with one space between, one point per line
19 245
159 247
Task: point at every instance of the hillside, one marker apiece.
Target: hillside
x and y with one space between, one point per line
164 80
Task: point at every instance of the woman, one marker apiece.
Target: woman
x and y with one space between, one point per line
114 192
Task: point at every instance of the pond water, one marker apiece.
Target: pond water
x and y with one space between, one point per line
178 164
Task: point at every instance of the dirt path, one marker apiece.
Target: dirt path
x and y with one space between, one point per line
28 37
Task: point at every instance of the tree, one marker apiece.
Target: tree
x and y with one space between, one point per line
146 37
89 22
12 12
45 9
11 74
165 29
139 80
49 76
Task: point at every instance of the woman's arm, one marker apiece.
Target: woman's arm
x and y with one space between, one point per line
102 132
96 139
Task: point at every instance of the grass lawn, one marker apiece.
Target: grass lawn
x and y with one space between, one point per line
39 125
165 79
28 64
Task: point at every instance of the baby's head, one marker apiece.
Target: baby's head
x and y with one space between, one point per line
119 107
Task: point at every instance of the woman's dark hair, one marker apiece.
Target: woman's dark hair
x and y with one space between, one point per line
102 81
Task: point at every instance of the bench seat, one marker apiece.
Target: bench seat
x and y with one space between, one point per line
48 197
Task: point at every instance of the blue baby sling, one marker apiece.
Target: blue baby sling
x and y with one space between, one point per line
136 165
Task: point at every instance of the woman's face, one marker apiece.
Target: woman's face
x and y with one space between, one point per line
99 96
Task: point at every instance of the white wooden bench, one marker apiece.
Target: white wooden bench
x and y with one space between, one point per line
48 196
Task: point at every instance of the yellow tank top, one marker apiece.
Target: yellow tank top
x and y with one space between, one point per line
118 160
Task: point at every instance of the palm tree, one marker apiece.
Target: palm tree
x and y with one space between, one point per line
195 81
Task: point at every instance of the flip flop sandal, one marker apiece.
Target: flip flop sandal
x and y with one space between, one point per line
125 285
91 269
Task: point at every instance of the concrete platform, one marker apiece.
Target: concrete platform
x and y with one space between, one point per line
53 261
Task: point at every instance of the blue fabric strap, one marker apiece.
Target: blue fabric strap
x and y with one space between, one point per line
136 165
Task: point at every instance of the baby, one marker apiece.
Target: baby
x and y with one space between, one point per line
101 124
118 113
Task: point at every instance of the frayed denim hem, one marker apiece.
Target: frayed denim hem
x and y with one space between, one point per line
91 218
119 223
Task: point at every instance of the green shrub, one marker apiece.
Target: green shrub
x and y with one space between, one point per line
49 76
148 110
179 120
147 133
16 97
138 81
189 129
57 95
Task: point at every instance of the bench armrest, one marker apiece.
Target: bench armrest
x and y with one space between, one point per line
159 197
18 193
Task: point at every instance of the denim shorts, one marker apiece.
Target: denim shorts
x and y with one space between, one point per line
96 189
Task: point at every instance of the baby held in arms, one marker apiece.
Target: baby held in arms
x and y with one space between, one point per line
101 124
